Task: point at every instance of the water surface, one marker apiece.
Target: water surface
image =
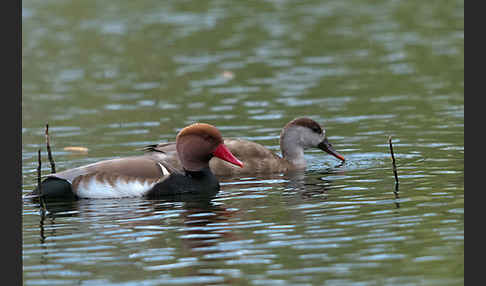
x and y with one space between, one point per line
113 77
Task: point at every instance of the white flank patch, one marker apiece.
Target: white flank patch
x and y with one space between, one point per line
95 189
165 172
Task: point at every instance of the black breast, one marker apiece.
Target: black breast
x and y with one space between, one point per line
189 183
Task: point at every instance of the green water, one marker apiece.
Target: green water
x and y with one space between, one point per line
113 76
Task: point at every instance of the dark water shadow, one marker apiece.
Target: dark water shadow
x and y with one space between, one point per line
198 213
198 226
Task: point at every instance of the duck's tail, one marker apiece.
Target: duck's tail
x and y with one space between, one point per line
54 188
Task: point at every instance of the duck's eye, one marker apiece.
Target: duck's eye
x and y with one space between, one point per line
316 129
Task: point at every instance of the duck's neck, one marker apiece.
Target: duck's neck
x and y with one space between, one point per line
292 151
205 172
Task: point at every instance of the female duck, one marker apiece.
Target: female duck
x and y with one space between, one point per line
298 135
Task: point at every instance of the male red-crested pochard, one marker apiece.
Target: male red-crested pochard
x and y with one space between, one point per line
147 175
299 134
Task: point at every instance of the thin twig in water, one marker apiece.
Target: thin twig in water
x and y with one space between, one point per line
394 172
393 160
39 171
49 154
39 184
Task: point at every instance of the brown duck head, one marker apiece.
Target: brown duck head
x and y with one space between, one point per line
196 144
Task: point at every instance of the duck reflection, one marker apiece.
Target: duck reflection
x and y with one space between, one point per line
195 211
188 227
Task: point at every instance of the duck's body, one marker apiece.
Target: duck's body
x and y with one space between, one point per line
298 135
147 175
122 177
258 159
